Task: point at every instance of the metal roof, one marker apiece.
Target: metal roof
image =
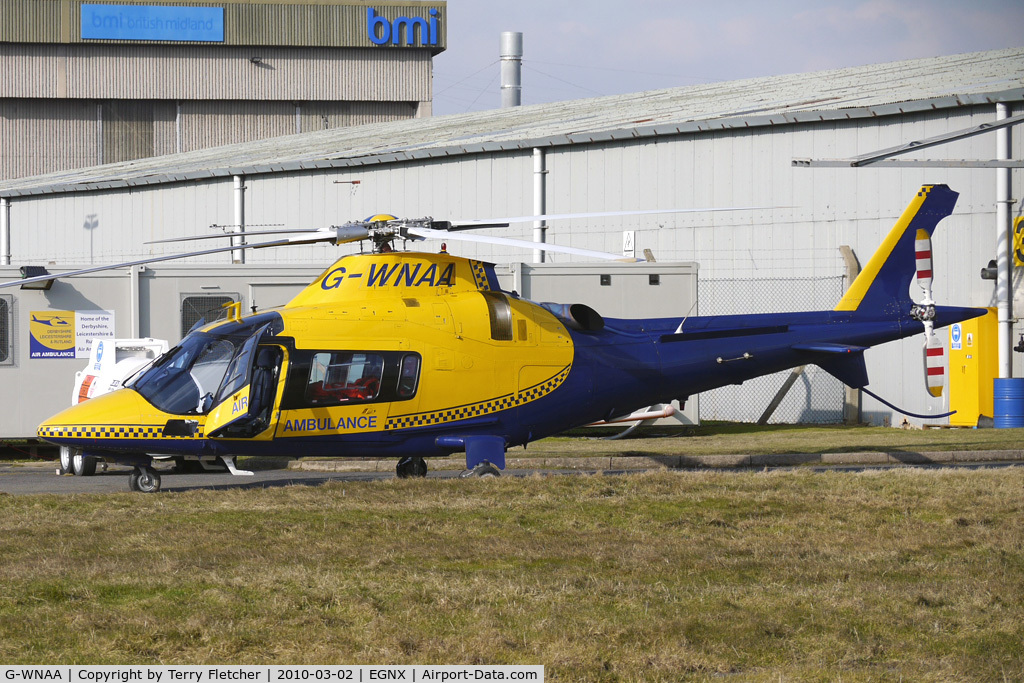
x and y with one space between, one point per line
839 94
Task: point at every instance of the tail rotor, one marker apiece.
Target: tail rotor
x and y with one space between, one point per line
934 350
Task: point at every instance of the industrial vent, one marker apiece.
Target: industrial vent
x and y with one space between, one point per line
203 307
6 327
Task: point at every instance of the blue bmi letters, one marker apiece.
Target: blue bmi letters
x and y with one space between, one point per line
416 29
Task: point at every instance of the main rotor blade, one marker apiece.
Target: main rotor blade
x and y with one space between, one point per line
154 259
350 232
472 222
523 244
246 233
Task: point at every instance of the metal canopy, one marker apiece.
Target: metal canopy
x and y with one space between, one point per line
912 163
881 157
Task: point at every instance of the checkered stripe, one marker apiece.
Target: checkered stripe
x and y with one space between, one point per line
493 405
110 432
480 275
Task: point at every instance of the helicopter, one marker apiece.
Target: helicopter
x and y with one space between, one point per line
415 354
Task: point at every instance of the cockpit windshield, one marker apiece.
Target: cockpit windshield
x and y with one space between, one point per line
190 378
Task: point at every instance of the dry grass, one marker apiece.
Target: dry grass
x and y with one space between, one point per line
757 576
717 438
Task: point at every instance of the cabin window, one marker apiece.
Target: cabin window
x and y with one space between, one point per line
5 329
207 308
500 312
343 377
321 378
409 375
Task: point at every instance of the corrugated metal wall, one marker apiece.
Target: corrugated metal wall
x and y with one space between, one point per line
282 69
39 136
81 105
815 210
51 135
35 21
329 24
165 72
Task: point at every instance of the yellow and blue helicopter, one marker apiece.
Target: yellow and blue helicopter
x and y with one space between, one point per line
412 355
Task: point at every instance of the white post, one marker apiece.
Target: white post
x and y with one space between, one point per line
238 255
133 295
5 231
540 227
1004 263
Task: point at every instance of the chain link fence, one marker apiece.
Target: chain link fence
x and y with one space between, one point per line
816 397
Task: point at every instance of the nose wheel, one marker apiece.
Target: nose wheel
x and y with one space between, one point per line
144 480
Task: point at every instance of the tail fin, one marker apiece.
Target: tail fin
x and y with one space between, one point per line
885 281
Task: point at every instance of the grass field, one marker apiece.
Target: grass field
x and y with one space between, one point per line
763 576
718 438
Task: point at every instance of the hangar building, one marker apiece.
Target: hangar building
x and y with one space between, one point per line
730 144
83 84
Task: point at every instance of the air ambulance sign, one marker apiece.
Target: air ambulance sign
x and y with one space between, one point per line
67 334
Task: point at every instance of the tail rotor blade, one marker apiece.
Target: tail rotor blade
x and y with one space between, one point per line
923 251
934 351
934 364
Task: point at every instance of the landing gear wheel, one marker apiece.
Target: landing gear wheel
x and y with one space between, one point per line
411 466
144 480
82 465
484 469
65 461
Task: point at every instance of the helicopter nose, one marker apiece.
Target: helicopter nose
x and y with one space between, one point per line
96 422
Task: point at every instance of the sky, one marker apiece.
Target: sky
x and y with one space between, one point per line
575 49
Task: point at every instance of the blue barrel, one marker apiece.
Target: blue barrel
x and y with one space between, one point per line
1009 403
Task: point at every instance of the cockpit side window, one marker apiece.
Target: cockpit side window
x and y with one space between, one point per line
237 373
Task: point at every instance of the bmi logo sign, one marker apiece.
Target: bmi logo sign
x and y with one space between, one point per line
407 30
153 22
